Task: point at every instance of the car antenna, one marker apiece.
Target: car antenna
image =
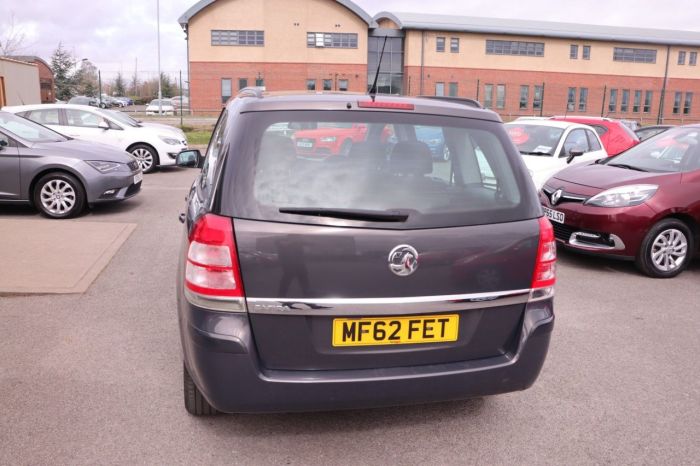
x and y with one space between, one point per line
373 89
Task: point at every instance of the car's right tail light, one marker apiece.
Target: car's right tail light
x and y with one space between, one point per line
212 269
544 275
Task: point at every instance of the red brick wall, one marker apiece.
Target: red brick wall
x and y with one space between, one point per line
556 91
205 79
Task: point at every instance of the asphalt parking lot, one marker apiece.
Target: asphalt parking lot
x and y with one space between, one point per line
95 378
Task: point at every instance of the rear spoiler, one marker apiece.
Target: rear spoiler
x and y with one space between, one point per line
457 100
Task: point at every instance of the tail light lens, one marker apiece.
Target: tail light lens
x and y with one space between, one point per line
545 267
212 261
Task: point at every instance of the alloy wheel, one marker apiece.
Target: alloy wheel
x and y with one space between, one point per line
58 197
144 158
669 250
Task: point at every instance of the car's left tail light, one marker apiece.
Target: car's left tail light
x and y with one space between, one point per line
212 271
544 276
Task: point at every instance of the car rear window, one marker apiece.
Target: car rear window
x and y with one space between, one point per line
435 171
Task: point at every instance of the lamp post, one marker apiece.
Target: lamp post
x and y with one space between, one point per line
160 90
99 82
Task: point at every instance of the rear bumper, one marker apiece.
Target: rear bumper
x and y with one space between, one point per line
220 355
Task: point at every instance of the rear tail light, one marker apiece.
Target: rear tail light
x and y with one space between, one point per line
545 266
212 269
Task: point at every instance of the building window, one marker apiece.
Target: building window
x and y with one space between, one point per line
226 37
514 47
637 101
524 97
440 44
625 102
583 99
259 82
571 100
648 96
677 103
225 90
331 40
586 52
310 84
343 85
440 89
453 89
501 96
693 58
573 52
634 55
327 84
538 98
688 103
681 57
488 95
390 79
454 45
242 83
612 105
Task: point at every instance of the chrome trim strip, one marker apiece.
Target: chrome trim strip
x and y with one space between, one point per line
577 239
215 304
386 306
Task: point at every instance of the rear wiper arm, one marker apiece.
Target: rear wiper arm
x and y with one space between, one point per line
629 167
535 153
347 214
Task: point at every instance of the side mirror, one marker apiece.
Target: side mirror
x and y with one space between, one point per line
573 153
103 125
3 144
188 158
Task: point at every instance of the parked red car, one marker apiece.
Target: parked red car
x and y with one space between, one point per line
615 136
642 205
329 138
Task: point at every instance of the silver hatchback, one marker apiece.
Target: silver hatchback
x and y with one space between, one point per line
61 176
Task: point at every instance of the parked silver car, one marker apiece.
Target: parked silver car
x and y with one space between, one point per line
60 176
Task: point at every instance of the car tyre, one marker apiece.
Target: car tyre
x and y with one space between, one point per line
195 404
666 249
59 195
346 147
146 156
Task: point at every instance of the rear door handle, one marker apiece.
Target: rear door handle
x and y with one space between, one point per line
182 218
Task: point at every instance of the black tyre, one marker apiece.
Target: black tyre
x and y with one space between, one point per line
195 404
666 250
346 147
59 195
146 156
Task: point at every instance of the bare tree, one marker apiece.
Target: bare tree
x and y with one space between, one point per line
12 38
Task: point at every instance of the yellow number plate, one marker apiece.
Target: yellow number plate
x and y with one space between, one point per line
395 330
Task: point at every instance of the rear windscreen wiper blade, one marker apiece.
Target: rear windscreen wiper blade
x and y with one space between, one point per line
348 214
535 153
628 167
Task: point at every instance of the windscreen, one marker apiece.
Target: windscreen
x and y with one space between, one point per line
401 171
676 150
122 118
28 130
534 139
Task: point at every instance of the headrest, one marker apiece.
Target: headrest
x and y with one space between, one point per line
411 158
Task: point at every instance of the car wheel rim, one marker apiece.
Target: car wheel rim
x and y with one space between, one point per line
58 197
669 250
144 158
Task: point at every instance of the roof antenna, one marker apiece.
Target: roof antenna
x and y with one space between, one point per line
373 89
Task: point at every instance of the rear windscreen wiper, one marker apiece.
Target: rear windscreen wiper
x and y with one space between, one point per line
535 153
348 214
628 167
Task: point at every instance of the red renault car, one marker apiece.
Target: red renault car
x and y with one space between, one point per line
615 136
643 205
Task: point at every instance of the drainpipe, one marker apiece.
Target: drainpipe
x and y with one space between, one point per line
422 63
662 101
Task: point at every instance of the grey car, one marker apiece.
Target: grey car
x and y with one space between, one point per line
61 176
374 278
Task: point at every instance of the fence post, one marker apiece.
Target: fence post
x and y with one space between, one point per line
605 94
478 84
542 101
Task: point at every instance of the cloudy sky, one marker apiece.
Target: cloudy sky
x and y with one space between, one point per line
114 33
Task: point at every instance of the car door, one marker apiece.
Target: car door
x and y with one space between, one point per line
9 168
82 124
50 117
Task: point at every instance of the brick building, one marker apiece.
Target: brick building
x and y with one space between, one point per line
516 67
19 82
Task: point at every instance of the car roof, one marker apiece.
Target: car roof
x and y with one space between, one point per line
264 101
19 108
588 119
549 123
